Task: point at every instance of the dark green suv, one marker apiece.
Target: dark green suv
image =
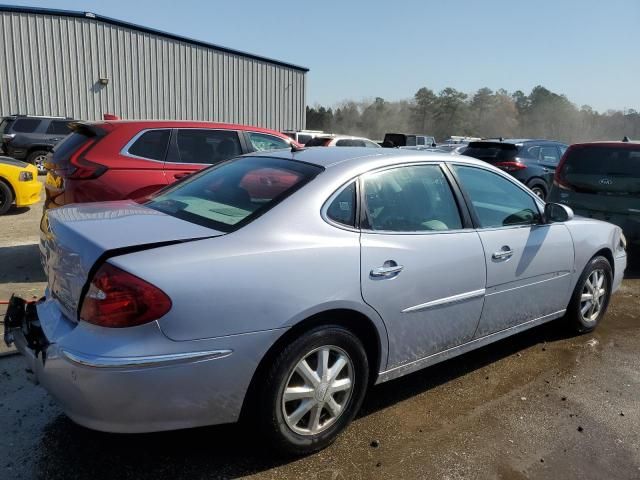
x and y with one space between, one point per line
602 180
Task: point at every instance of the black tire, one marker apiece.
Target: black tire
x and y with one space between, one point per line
271 409
6 198
578 321
539 188
37 158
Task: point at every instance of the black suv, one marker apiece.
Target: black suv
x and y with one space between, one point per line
30 138
533 162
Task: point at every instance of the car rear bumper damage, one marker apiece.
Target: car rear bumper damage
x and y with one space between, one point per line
202 383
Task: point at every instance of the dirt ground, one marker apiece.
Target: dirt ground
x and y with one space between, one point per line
540 405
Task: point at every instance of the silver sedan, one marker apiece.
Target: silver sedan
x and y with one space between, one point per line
282 285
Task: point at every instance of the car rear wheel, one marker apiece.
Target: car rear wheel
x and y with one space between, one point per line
6 198
539 189
313 390
39 158
591 296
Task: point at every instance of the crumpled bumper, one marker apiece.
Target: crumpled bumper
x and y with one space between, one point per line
115 392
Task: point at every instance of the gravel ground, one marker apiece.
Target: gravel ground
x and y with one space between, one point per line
542 404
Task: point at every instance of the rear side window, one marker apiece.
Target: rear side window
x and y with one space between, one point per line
343 207
232 194
26 125
152 144
263 141
420 141
303 139
207 146
57 127
410 199
549 154
318 142
63 150
350 142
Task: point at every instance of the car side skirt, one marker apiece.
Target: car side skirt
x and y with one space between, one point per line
407 368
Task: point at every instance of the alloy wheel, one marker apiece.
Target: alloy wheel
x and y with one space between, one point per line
539 192
39 162
593 296
318 390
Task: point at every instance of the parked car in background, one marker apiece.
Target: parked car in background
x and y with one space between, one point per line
209 301
533 162
408 140
19 184
455 143
31 138
340 141
114 160
303 136
602 180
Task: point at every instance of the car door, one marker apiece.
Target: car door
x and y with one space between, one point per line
529 263
56 131
193 149
422 270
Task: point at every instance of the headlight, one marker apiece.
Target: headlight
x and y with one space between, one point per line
623 241
25 176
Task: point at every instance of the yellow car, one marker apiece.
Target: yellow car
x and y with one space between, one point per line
18 184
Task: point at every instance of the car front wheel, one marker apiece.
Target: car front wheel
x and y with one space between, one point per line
39 158
313 390
591 296
6 198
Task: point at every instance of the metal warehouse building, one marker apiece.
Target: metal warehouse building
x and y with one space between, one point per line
82 65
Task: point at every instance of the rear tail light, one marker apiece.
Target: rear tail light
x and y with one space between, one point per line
84 169
118 299
510 166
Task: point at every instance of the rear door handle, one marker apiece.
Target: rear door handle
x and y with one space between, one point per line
504 253
386 271
180 175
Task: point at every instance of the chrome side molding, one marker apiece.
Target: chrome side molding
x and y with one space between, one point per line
143 361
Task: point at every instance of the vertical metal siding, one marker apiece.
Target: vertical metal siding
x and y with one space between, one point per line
51 65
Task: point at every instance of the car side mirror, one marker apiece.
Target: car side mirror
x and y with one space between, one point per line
556 212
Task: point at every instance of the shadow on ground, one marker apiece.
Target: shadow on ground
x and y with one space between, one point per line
16 211
69 451
21 264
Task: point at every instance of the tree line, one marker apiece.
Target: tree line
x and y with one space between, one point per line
486 113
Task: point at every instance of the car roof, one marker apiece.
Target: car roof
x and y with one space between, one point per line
607 143
144 124
357 156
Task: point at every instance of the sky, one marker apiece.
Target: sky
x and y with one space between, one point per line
587 49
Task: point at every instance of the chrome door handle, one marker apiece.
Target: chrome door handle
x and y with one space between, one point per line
386 271
505 252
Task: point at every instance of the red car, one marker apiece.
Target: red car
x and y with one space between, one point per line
115 160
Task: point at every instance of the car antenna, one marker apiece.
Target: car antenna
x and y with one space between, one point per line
626 139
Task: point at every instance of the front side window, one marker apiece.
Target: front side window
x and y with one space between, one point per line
342 208
57 127
233 193
420 141
207 146
26 125
152 144
262 142
410 199
497 202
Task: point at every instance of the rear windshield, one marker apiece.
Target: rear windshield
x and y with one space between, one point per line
607 168
231 194
62 151
491 151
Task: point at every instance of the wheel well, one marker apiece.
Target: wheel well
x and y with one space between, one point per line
356 322
8 184
536 181
35 148
606 253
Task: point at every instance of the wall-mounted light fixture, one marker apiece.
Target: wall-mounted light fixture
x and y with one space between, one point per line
103 81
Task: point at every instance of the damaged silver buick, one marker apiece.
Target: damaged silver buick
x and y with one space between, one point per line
282 285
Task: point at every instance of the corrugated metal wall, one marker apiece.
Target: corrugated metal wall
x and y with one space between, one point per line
51 65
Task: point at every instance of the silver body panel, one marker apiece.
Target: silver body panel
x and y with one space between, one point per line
234 295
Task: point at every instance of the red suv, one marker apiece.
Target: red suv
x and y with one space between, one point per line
115 160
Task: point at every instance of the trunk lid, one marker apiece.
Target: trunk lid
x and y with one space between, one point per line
75 238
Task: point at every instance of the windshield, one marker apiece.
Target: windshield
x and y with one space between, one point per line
231 194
